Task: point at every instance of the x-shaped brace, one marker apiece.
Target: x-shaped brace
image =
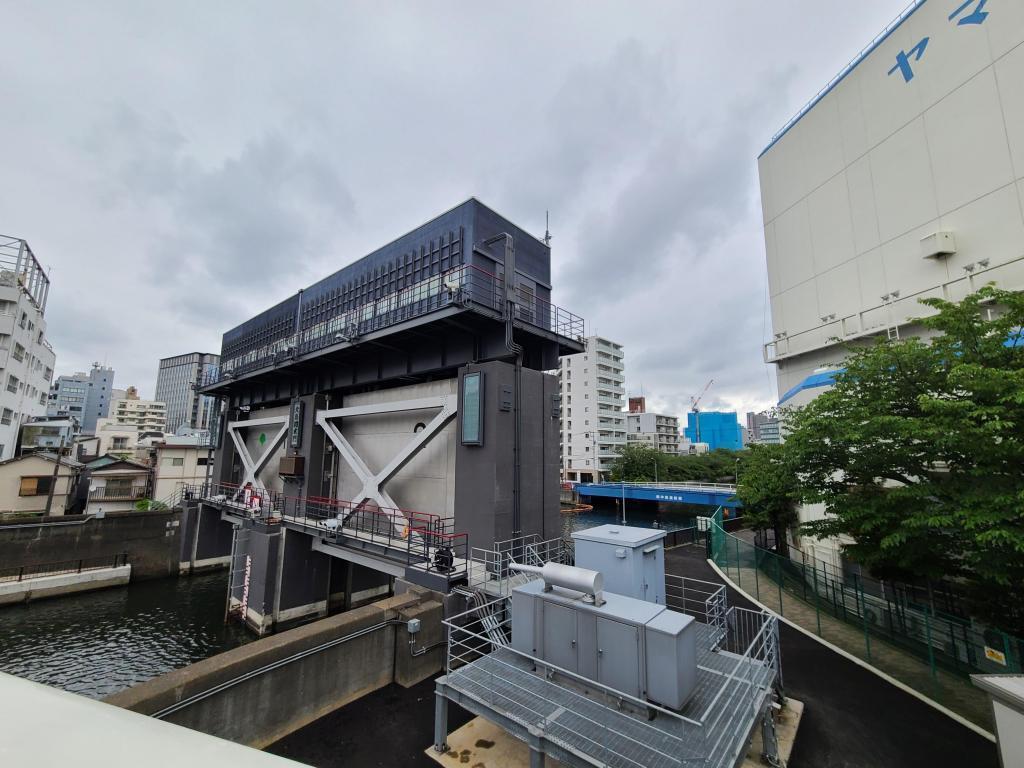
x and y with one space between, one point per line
373 483
254 467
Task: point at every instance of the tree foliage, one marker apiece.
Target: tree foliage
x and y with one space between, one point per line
768 487
636 463
917 452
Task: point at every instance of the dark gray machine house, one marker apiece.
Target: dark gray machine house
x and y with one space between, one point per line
407 388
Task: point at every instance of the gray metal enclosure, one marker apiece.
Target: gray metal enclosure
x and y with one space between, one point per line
631 559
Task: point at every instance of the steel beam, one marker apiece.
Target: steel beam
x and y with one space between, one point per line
254 467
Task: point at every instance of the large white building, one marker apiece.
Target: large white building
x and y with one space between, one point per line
593 423
654 430
144 415
903 179
26 357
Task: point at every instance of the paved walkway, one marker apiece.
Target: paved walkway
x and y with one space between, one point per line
852 717
952 691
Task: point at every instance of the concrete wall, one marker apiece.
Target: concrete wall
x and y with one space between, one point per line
425 484
151 539
269 706
485 473
205 538
63 584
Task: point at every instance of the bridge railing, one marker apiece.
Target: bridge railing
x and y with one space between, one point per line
724 487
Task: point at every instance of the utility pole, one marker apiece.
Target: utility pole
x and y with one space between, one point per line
53 479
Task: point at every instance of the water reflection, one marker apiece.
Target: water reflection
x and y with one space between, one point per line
101 642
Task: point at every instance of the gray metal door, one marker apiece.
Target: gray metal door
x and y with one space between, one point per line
618 656
560 646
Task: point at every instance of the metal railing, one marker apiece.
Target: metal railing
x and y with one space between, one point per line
493 570
671 486
426 539
119 494
467 286
881 611
704 600
22 572
711 738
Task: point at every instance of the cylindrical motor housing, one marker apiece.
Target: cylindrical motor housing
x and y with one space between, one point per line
566 576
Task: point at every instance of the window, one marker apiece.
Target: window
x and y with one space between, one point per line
174 461
12 384
35 486
119 443
7 416
18 353
202 461
472 409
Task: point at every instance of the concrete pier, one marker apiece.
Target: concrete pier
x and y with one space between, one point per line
55 585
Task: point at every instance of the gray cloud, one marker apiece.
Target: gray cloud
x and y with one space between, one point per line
183 166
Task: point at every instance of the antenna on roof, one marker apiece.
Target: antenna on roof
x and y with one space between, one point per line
547 229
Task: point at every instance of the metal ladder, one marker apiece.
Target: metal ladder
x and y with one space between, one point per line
236 572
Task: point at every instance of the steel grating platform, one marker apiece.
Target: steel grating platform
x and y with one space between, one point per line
504 684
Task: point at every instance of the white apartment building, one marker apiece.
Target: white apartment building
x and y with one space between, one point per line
593 423
653 430
903 179
26 357
145 415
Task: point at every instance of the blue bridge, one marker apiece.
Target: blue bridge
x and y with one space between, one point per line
706 494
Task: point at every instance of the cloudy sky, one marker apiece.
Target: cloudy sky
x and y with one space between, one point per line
181 166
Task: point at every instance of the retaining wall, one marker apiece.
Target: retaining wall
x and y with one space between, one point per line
261 709
151 539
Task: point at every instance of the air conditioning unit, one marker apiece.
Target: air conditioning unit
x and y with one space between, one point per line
938 245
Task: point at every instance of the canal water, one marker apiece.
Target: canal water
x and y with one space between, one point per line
641 515
101 642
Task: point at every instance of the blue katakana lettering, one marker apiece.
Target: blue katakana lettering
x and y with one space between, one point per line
903 60
977 16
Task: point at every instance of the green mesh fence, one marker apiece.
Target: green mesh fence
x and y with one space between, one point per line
878 610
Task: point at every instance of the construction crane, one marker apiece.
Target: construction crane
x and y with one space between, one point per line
694 402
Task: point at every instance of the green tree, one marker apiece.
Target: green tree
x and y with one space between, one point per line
768 487
917 451
637 462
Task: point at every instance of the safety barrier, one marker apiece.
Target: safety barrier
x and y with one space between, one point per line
879 610
22 572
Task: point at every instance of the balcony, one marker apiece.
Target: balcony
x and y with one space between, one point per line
119 493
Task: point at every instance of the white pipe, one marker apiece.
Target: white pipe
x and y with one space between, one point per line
589 582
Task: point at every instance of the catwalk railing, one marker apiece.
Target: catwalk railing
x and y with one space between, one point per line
881 611
427 540
78 565
708 738
465 286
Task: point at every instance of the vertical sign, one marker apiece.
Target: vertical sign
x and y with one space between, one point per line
295 433
472 409
245 586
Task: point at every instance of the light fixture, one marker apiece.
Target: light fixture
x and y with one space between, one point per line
885 297
968 267
895 294
982 262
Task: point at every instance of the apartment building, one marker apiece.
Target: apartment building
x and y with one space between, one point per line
26 357
654 430
85 396
593 423
764 427
144 415
177 381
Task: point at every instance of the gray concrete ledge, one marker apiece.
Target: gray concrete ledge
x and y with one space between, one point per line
56 585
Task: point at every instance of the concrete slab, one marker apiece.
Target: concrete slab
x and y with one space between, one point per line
482 744
786 723
56 585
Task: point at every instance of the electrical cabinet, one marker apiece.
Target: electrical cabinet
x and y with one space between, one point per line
633 646
631 559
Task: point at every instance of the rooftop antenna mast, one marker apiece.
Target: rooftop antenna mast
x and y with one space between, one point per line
547 229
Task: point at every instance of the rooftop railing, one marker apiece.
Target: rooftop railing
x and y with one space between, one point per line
466 286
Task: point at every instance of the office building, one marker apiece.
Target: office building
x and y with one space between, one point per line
86 396
593 424
177 382
26 357
653 430
764 427
719 429
901 181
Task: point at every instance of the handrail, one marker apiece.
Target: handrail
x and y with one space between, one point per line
21 572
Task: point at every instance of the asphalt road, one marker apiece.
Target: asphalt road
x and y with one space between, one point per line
852 718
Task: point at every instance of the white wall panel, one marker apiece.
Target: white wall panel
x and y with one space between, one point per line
829 218
822 143
863 215
967 142
772 253
904 188
955 53
905 270
1007 31
838 291
793 246
990 228
851 118
889 103
871 276
1010 77
801 311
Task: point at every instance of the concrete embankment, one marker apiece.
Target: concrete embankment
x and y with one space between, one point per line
261 692
152 540
58 584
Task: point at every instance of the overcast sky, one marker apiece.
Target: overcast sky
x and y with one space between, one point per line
181 166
